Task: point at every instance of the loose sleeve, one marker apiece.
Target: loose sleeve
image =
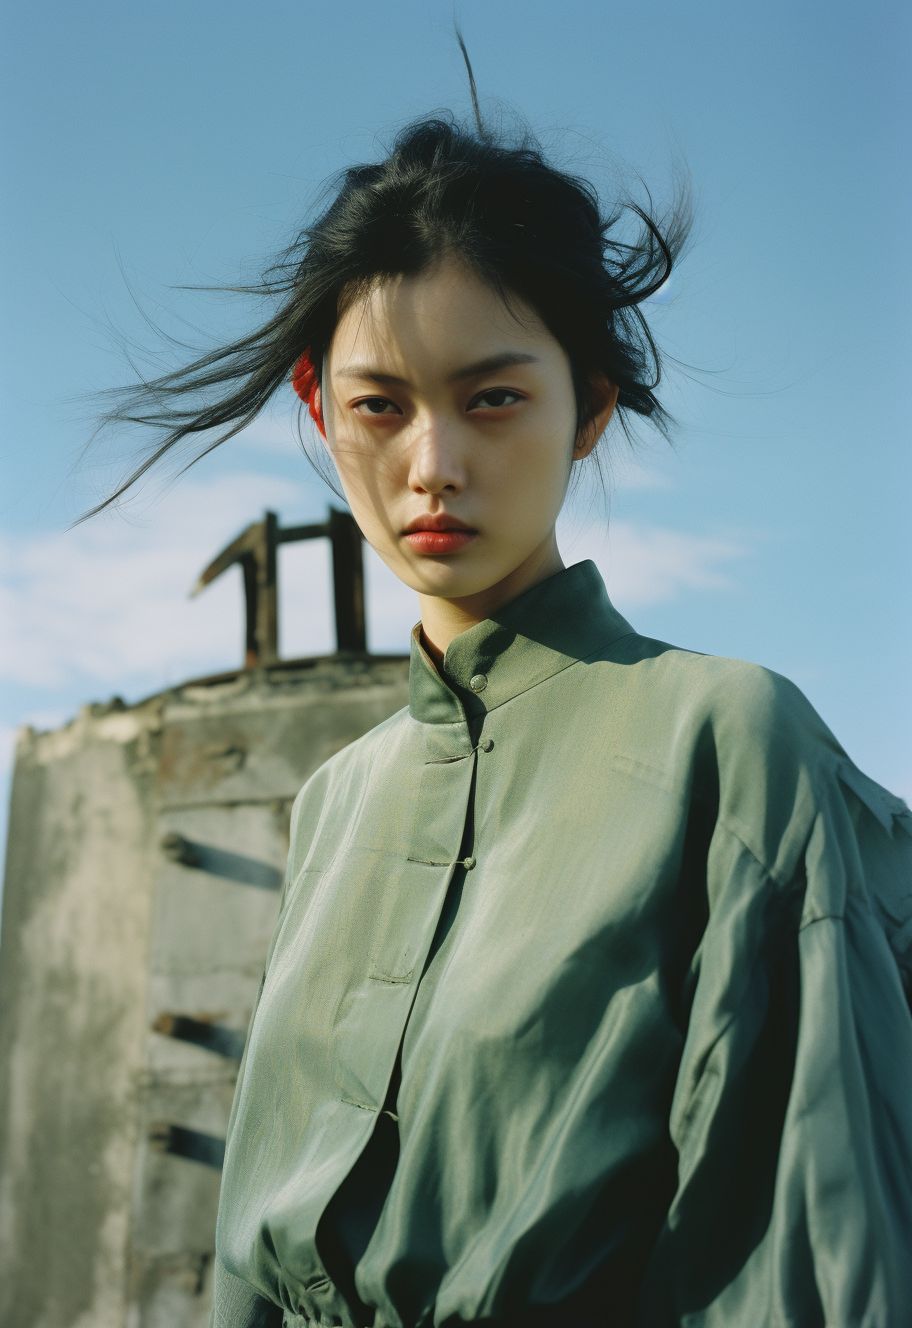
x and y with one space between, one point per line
235 1303
792 1115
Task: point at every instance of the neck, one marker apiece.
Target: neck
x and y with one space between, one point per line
443 619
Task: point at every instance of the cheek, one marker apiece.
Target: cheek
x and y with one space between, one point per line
367 479
354 460
538 469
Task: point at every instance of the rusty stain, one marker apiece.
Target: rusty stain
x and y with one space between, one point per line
184 762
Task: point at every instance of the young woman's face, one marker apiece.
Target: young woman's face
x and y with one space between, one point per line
417 426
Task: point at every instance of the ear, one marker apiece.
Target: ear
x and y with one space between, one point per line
317 409
604 395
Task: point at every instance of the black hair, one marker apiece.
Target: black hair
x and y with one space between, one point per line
445 189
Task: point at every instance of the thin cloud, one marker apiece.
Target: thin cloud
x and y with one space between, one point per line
646 564
629 474
107 603
274 433
663 295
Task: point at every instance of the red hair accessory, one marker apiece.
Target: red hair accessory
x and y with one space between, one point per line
304 381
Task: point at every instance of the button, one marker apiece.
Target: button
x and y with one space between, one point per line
487 744
468 863
478 682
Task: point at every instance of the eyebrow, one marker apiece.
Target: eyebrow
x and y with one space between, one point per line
491 362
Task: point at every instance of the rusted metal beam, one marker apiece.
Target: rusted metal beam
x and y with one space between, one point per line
348 581
255 550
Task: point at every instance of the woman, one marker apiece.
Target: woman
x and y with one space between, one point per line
588 998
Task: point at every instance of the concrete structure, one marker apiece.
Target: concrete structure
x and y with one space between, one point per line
147 845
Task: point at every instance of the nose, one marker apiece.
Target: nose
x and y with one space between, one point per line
437 462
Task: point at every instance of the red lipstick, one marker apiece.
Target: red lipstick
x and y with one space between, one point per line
441 533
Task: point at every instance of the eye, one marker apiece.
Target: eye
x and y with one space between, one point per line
498 392
371 402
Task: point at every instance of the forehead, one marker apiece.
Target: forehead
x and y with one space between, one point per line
446 309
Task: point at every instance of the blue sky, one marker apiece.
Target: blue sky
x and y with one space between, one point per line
185 143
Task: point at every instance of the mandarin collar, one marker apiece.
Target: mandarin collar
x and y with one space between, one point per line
566 617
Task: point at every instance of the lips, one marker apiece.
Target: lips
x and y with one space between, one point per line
434 542
438 524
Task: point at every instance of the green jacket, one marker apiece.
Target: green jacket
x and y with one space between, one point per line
616 942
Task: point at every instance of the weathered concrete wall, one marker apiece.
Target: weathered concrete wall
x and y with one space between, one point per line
74 975
146 849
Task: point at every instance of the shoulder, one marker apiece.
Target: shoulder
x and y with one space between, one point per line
749 709
736 735
748 744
